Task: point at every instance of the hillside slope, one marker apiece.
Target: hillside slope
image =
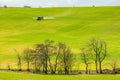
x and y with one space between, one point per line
74 26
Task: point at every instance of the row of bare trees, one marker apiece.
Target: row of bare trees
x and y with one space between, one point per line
51 57
96 51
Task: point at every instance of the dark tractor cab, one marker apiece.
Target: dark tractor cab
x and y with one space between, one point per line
40 18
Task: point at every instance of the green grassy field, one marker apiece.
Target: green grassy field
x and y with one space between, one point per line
26 76
74 26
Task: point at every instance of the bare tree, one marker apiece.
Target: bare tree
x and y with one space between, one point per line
53 58
66 58
102 54
19 62
19 57
114 65
40 55
47 47
92 44
27 57
86 58
44 51
52 55
62 57
99 52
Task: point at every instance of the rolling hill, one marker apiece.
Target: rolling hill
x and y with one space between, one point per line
74 26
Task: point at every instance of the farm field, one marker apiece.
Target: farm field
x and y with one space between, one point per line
74 26
26 76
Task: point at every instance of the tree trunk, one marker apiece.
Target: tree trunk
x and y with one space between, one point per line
86 69
100 67
35 65
96 65
66 70
28 66
46 66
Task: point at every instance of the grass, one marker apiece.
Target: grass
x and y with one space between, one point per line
74 26
26 76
